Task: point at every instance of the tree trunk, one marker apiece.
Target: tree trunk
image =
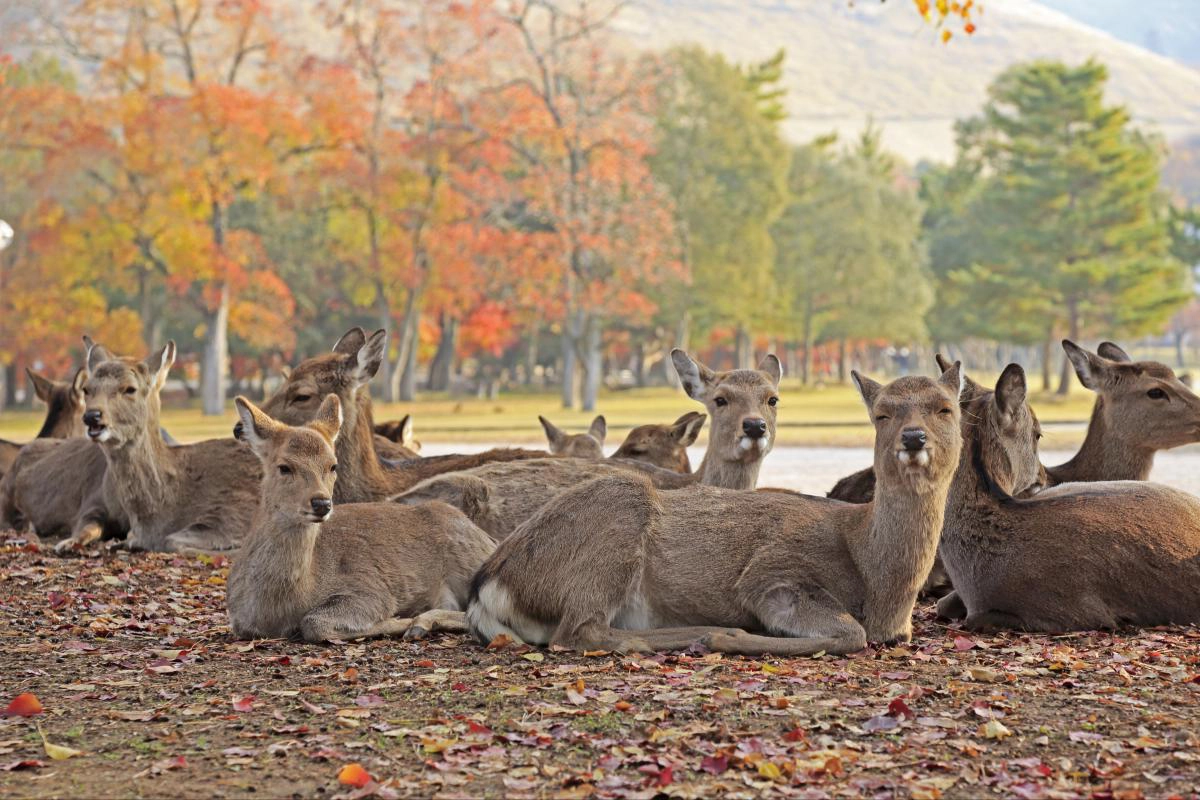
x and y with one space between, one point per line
1180 356
531 353
572 331
639 362
593 365
809 324
408 368
409 328
443 359
215 364
841 360
383 316
1047 358
1067 374
743 351
3 387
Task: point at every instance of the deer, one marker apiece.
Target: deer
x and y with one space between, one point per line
1078 556
394 439
346 371
615 564
64 406
576 445
323 572
189 498
741 402
663 445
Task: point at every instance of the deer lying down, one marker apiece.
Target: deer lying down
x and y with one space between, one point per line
576 445
1078 556
616 565
663 446
394 439
499 497
362 569
64 407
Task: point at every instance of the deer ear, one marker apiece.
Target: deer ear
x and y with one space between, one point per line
96 354
1113 353
368 358
328 421
78 380
687 428
868 388
953 379
42 386
351 341
695 377
554 435
257 427
406 432
770 365
1091 369
1011 390
969 387
598 429
159 364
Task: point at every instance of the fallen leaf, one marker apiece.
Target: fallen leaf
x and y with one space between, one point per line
354 775
994 729
56 751
24 705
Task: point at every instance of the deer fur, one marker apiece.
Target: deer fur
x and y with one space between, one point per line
499 497
576 445
362 569
362 475
64 409
190 498
394 439
664 445
1085 556
615 564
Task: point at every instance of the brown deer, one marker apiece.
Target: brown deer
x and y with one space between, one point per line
663 445
190 498
362 475
1141 407
742 403
64 407
1075 557
615 564
357 570
394 439
576 445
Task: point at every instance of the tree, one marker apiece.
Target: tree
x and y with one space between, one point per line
1068 226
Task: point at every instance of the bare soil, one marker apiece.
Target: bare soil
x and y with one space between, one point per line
132 660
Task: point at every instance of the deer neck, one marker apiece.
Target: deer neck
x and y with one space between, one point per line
898 552
974 499
144 474
1105 455
713 471
280 555
360 474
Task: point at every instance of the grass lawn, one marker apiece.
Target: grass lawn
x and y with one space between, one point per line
829 416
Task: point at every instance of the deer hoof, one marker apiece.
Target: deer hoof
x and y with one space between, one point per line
415 633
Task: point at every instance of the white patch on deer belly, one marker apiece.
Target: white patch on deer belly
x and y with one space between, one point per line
446 600
493 613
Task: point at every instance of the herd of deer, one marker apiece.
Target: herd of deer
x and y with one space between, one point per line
345 531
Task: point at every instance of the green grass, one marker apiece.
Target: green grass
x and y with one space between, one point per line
816 416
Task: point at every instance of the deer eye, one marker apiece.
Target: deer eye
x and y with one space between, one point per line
774 401
946 411
720 402
302 398
333 468
284 469
1156 394
882 418
130 390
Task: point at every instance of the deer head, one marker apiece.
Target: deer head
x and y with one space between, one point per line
917 419
741 403
121 395
577 445
64 403
1145 403
664 445
299 463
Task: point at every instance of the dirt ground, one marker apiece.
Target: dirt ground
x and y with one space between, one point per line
133 663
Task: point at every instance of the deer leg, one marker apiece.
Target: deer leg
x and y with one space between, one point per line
80 538
951 607
598 635
347 617
937 584
986 621
802 620
434 620
200 541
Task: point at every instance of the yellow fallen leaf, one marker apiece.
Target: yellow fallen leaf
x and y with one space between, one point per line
769 770
535 657
994 729
57 751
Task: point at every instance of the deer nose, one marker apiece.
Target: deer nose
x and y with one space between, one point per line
321 506
754 428
91 418
913 439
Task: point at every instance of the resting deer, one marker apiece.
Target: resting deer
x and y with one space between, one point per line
1074 557
663 445
196 497
362 569
576 445
362 476
615 564
499 497
64 406
394 439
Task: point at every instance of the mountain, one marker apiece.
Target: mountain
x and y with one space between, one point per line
1167 27
848 62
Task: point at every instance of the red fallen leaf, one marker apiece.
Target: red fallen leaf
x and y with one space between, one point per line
183 644
57 599
459 687
962 643
168 764
28 763
354 775
657 776
795 735
424 662
621 705
24 705
244 703
899 708
350 675
283 661
477 729
501 641
368 700
714 765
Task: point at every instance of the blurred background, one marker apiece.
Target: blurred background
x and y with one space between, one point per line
540 198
